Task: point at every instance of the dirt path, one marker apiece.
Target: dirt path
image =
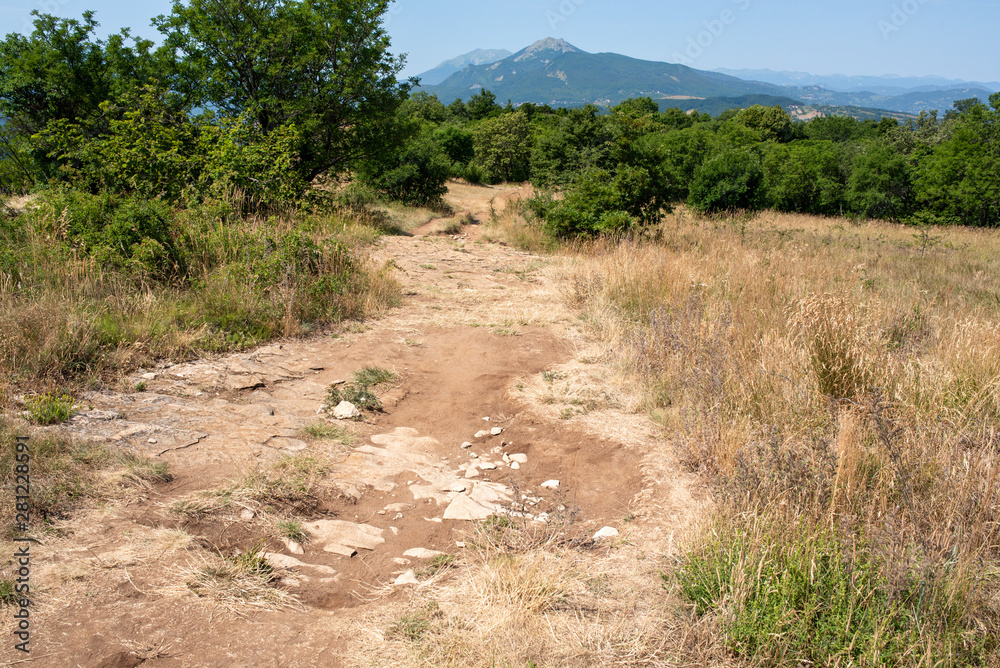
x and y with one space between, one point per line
483 334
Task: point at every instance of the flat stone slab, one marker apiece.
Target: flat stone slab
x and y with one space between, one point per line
422 553
465 509
337 536
285 561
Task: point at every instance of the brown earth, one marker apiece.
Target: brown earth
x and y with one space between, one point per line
483 334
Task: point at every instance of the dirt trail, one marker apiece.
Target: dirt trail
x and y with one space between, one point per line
483 334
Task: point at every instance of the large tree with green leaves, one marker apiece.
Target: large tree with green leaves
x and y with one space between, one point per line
61 72
321 65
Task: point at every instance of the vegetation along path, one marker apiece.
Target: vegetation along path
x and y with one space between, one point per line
492 446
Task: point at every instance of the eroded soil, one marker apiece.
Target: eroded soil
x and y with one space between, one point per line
483 333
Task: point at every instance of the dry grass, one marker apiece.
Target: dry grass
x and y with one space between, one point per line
67 319
241 584
508 225
838 380
67 473
292 487
524 596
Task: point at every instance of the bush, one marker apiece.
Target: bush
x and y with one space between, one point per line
729 181
46 409
414 175
122 231
602 202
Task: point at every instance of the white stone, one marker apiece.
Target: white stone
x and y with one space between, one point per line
606 532
496 431
456 486
506 458
407 578
486 419
464 508
436 520
149 376
487 466
515 466
482 433
293 546
284 561
399 561
466 445
472 473
346 411
550 484
520 459
338 536
152 441
246 514
422 553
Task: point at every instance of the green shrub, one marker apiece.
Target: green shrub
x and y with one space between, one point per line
729 181
132 233
602 202
46 409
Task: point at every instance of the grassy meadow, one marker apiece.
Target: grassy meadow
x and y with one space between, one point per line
839 384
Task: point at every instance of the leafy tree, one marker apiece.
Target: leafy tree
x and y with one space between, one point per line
503 149
804 177
837 128
772 122
154 148
61 73
482 105
959 181
731 180
880 185
568 144
682 153
323 65
426 107
457 111
458 144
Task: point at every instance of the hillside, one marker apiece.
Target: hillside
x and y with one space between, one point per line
552 71
449 67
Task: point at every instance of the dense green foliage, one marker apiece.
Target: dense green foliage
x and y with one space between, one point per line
287 91
606 172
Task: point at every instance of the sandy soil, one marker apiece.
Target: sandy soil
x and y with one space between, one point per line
483 334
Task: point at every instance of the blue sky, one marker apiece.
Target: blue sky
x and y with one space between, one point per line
954 39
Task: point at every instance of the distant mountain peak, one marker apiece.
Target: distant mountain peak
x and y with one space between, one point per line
544 47
478 57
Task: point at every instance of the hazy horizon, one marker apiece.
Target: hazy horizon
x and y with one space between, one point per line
857 37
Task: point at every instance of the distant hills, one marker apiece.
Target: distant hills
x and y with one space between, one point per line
449 67
553 71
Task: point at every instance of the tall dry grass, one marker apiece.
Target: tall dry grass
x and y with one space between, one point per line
841 383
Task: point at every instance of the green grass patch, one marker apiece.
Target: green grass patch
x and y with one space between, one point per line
47 409
812 599
326 431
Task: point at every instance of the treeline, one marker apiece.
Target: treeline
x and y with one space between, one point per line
627 167
265 99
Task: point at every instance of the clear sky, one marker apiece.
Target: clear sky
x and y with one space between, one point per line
954 38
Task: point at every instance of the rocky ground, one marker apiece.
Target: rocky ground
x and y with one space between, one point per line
499 405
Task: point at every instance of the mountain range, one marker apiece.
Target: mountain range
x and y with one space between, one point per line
554 72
